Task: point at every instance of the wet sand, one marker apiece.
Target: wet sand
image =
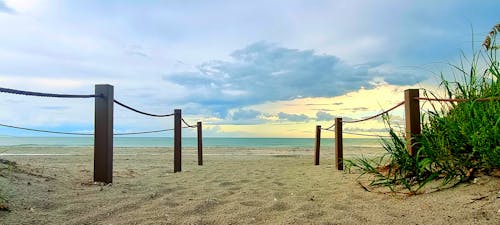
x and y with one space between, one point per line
234 186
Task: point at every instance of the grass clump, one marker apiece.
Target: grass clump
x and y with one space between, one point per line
459 139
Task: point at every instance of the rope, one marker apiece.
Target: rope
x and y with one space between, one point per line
39 94
44 131
375 116
187 124
457 99
141 112
328 128
144 132
87 134
368 135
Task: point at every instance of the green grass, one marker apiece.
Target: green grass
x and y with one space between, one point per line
459 140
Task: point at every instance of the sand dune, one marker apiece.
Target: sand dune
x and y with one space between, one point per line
235 186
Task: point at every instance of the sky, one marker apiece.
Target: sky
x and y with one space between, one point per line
244 68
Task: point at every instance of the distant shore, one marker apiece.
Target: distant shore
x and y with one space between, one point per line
234 186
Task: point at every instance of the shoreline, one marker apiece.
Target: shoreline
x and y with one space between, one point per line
166 142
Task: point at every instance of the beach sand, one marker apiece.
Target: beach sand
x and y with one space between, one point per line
234 186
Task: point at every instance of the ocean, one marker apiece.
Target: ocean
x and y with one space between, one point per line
186 142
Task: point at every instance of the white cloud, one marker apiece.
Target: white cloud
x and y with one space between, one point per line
25 6
252 74
42 83
68 46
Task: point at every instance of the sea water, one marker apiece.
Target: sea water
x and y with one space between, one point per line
187 142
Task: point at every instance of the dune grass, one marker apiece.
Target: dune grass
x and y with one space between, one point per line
459 140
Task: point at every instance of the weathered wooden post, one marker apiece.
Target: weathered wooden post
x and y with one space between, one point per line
317 145
200 144
412 115
339 157
103 134
177 140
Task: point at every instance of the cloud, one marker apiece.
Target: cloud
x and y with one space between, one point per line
4 8
136 50
263 72
67 47
293 117
324 116
244 117
244 114
356 109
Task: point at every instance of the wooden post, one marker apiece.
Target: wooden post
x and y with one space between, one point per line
317 145
339 154
412 115
200 144
103 134
177 140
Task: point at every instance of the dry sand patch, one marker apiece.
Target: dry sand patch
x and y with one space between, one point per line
235 186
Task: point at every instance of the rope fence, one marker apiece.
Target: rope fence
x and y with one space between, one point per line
338 135
103 128
45 131
376 115
187 124
141 112
458 99
49 95
328 128
86 134
412 121
146 132
366 135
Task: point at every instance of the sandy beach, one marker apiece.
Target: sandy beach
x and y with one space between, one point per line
234 186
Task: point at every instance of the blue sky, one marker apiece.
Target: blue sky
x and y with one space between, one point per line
236 65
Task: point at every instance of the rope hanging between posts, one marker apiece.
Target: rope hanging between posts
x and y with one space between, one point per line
365 119
44 131
377 115
367 135
84 134
141 112
39 94
328 128
187 124
458 99
145 132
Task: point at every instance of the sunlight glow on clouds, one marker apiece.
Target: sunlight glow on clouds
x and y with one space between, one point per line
245 68
256 75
